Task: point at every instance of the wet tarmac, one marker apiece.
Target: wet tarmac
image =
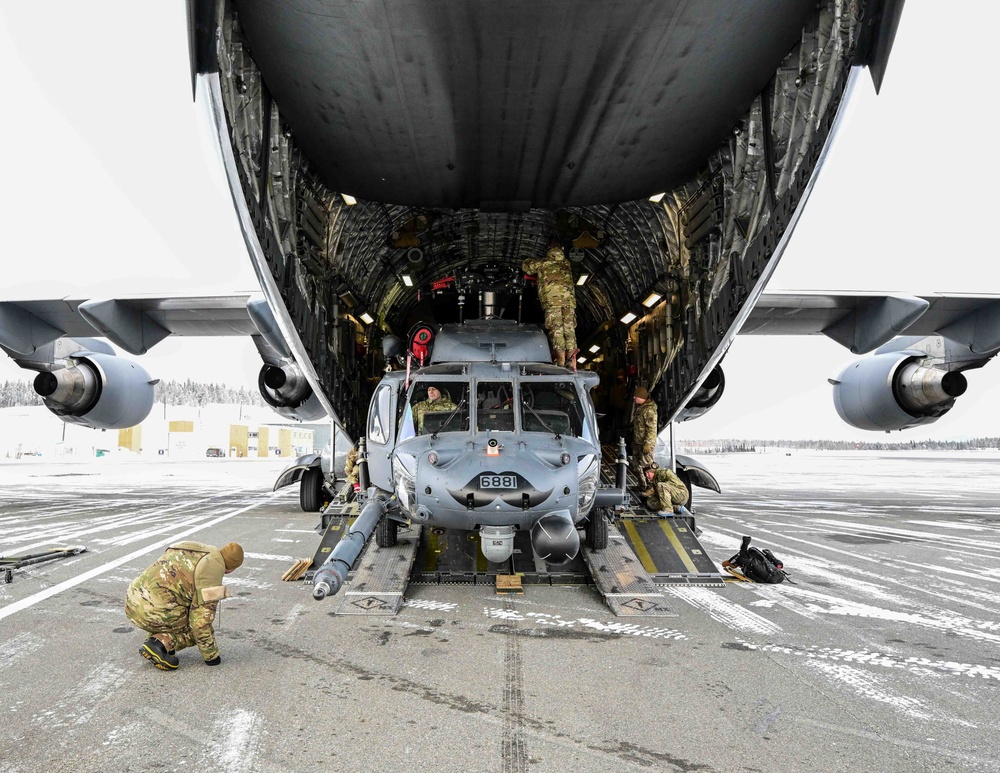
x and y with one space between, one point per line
883 655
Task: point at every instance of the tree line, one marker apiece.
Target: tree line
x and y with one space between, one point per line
14 394
733 446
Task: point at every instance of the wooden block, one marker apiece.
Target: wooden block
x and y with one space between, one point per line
509 583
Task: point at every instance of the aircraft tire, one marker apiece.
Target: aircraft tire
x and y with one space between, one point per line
311 490
386 533
597 529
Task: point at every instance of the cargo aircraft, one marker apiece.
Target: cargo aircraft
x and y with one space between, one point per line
393 164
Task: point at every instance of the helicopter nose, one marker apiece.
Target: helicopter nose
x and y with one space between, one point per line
554 538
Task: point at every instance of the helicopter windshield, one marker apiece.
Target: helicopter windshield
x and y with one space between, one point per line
553 407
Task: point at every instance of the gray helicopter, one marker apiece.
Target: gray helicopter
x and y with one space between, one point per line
486 434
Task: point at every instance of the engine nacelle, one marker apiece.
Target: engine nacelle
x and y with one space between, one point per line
286 390
97 390
895 390
708 394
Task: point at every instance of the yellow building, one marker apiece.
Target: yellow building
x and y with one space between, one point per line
131 438
265 441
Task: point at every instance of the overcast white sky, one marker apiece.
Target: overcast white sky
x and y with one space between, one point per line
111 188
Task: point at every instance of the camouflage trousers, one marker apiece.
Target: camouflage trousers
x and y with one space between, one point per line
560 321
668 497
174 633
352 475
640 458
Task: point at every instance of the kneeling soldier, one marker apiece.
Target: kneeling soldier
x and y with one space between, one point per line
669 493
174 601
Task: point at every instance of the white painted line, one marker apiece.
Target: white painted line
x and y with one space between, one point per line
237 737
269 557
17 606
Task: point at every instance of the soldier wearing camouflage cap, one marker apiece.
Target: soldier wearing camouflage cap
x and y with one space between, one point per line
175 599
558 298
643 429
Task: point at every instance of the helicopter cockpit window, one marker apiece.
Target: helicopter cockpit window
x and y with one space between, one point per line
379 421
495 406
553 407
436 407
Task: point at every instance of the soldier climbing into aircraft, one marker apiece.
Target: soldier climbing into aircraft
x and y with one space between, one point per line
558 299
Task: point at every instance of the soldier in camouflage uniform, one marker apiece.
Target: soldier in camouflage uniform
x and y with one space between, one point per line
669 491
643 429
558 298
351 467
434 402
175 599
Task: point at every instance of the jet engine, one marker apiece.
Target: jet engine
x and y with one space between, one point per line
708 394
97 390
285 389
895 390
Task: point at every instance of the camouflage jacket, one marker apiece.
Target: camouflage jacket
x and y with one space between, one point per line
669 490
663 475
555 277
644 424
181 591
430 406
351 466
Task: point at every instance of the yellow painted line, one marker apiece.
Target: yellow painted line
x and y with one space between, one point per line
433 549
681 552
639 546
481 563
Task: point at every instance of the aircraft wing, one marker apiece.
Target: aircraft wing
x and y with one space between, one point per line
862 321
859 320
135 324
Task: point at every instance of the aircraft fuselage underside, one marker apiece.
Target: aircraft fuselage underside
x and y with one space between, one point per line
469 136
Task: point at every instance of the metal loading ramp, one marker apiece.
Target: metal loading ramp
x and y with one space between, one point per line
627 587
644 553
669 550
377 585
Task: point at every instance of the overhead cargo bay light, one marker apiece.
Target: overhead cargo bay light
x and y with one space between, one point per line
366 317
582 280
629 318
407 280
595 349
656 198
348 199
651 300
581 360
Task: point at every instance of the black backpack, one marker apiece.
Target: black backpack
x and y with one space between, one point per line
757 565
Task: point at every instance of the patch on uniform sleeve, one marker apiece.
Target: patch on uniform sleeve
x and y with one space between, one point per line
214 593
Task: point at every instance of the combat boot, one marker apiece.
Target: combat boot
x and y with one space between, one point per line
156 653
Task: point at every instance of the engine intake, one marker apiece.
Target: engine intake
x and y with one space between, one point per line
894 391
